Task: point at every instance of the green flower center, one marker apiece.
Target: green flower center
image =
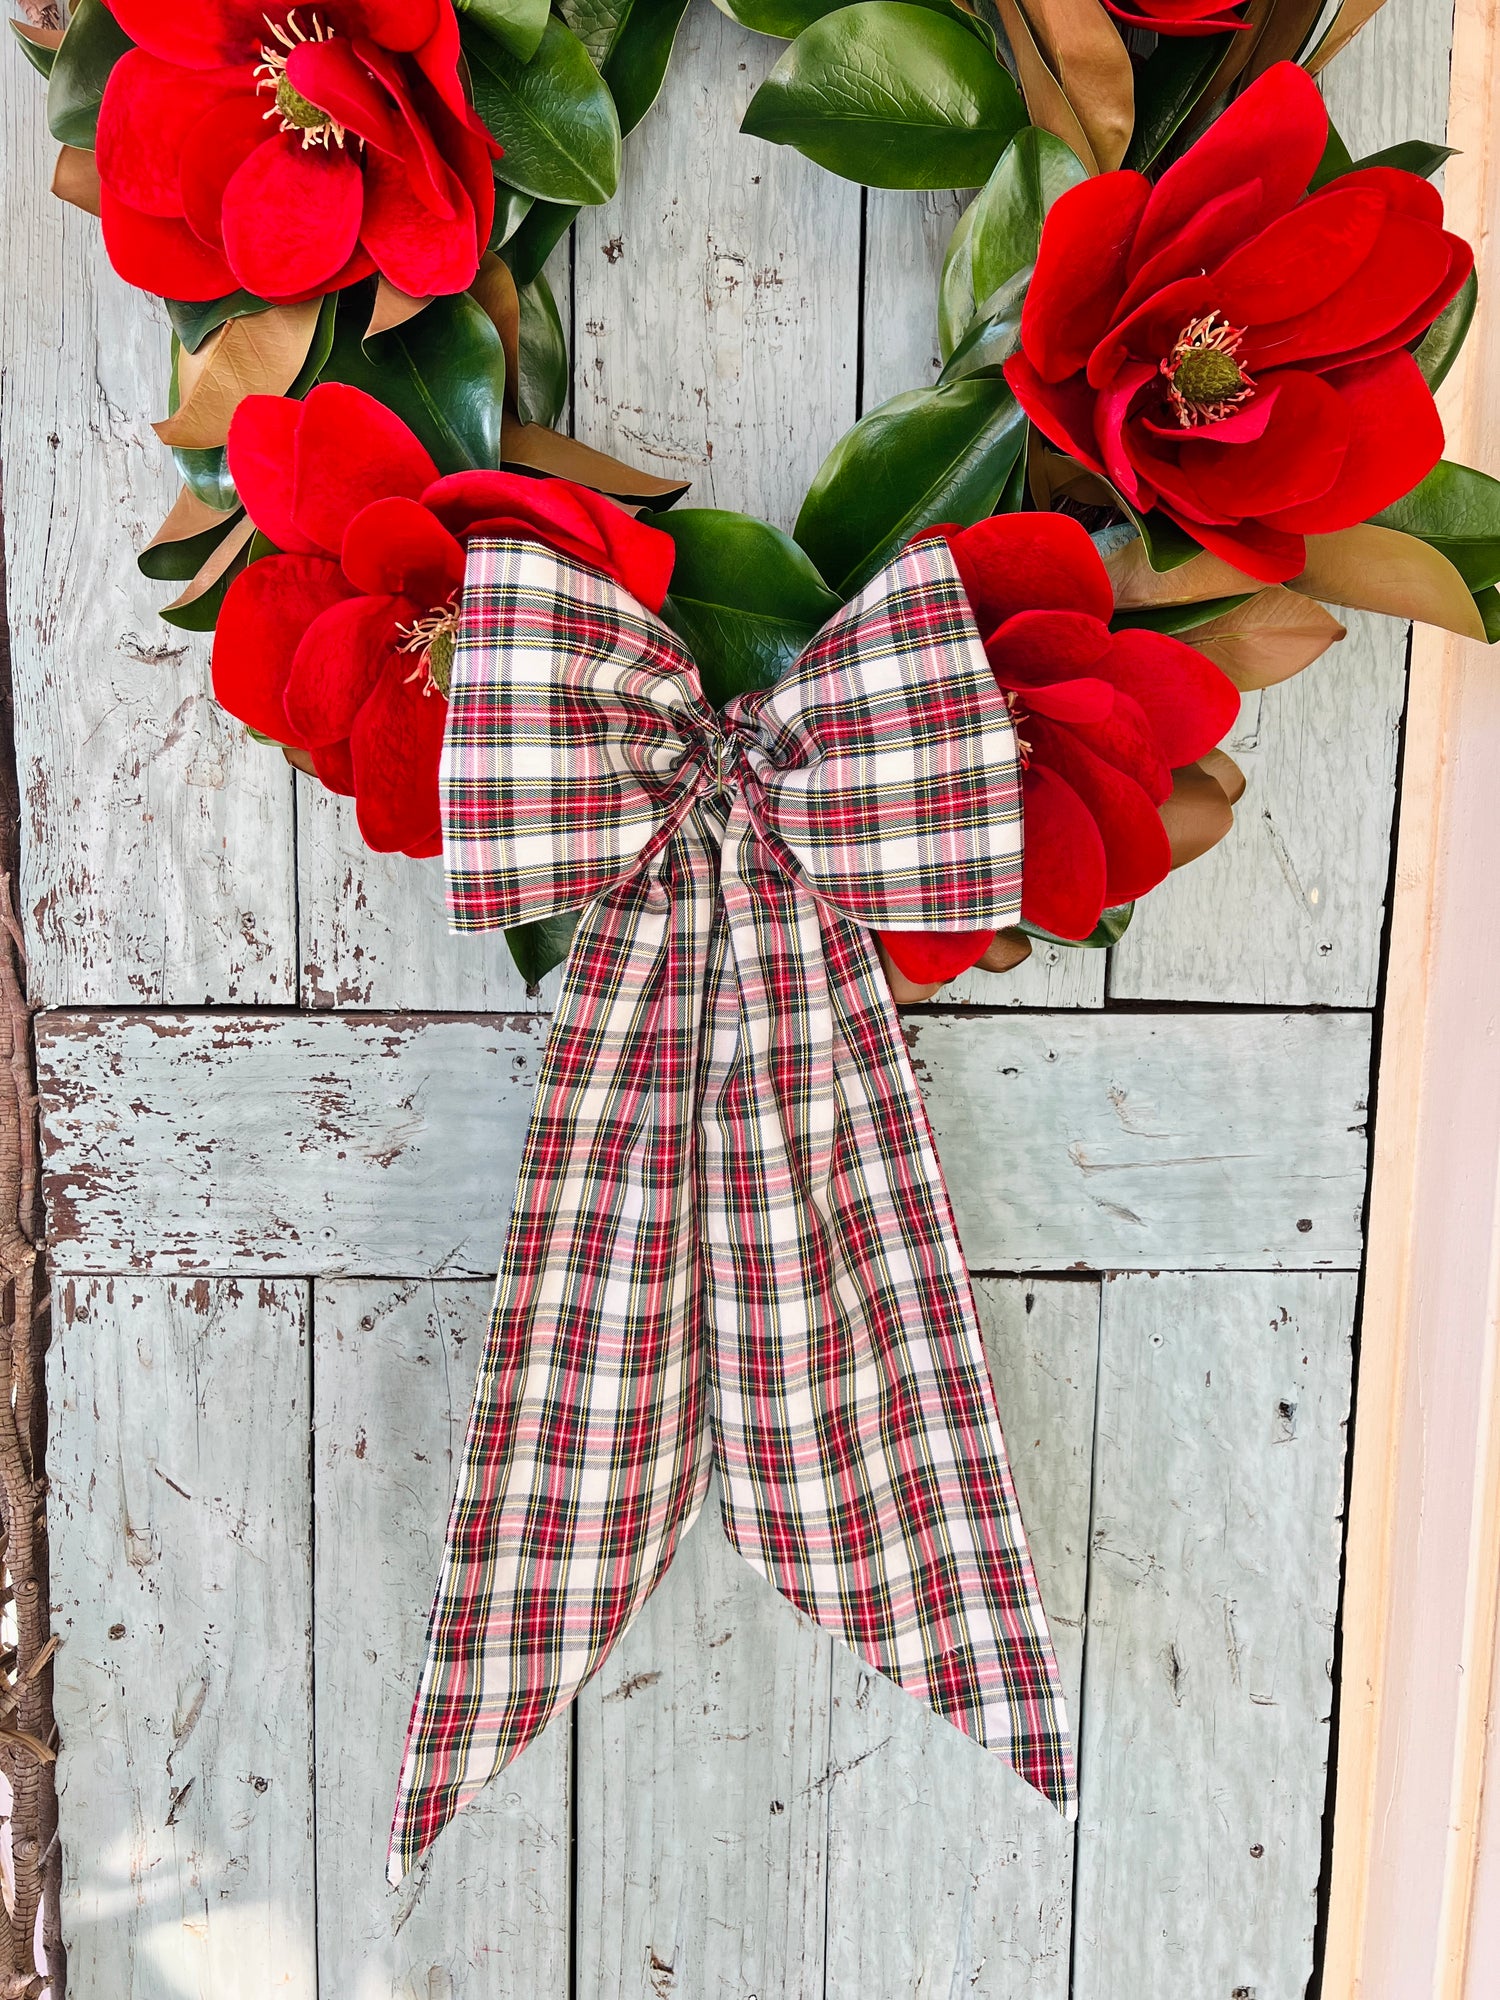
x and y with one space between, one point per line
440 659
1207 375
299 110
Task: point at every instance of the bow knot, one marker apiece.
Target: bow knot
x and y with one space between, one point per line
731 1247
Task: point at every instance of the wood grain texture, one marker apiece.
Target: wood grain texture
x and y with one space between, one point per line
1213 1588
182 1591
717 314
387 1145
485 1916
906 239
947 1874
156 838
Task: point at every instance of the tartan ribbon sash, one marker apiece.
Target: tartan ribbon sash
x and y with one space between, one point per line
731 1246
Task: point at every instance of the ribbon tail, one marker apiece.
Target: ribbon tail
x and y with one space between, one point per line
864 1471
589 1446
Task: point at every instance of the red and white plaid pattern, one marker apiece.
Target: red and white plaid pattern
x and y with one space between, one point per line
731 1244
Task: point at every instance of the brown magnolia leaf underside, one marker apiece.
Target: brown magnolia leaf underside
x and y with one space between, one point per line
1197 815
40 38
189 516
537 449
392 308
1223 769
495 289
1342 29
1046 102
260 354
75 179
233 545
1084 52
1267 639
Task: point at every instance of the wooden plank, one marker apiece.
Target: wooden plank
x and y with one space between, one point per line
906 239
946 1874
486 1914
156 838
1289 911
1213 1590
703 1779
369 1145
182 1591
717 293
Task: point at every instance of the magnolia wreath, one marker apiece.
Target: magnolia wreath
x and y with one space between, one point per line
1189 353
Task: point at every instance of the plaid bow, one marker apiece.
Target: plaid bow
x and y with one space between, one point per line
731 1245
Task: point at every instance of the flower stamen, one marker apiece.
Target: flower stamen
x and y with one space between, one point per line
1017 717
1205 381
296 112
435 638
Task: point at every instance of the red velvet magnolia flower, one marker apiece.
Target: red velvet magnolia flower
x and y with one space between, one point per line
1102 720
1234 350
292 150
343 645
1179 17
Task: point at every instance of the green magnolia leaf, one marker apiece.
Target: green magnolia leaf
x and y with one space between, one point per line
995 334
892 95
1412 156
542 391
538 947
1336 160
956 299
1176 618
80 69
38 54
193 322
1167 87
636 65
553 115
206 473
929 456
517 25
443 373
536 239
202 615
1456 511
511 210
1110 928
1438 349
1033 171
1488 604
745 599
180 562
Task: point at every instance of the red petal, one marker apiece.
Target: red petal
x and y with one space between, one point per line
1197 22
262 452
564 517
351 450
161 254
1030 562
1269 554
1188 702
213 152
291 216
1062 411
1138 854
397 545
926 956
1460 262
1405 194
1063 869
148 110
1302 257
334 766
1407 267
266 610
204 35
396 742
1126 741
421 253
1033 649
1200 244
1296 458
330 75
439 58
426 173
339 661
1396 438
1080 271
1084 700
395 24
1275 132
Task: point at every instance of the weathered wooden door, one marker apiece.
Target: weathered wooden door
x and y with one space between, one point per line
283 1109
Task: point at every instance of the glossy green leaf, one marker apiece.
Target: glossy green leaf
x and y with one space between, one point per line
1488 603
542 391
443 373
538 947
892 95
1456 511
517 25
553 115
536 239
1167 87
206 473
956 299
202 615
1411 156
994 335
1336 160
180 562
636 65
929 456
745 599
1033 171
511 210
1110 928
1176 618
193 321
38 54
1438 349
80 69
